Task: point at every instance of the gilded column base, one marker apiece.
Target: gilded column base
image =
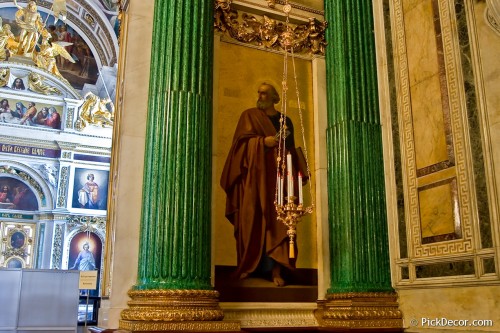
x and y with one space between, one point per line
174 310
363 310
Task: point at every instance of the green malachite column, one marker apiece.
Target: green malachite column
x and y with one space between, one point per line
173 289
360 271
174 248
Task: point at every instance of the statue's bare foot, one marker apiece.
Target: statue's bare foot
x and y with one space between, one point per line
276 274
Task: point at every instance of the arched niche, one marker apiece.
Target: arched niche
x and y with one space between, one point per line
20 173
93 235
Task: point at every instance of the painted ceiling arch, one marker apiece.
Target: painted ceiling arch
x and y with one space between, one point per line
89 19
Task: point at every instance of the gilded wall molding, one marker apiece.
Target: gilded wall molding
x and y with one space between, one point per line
17 241
301 7
86 223
271 315
63 187
57 246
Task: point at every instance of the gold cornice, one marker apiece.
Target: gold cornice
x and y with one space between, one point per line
302 7
29 142
269 31
362 295
267 4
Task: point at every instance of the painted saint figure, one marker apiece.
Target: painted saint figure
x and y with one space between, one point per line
17 240
88 195
249 180
85 260
53 119
18 84
5 194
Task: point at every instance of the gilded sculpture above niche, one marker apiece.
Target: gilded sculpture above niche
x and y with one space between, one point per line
267 28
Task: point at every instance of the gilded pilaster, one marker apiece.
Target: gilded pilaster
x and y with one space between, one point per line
360 295
173 289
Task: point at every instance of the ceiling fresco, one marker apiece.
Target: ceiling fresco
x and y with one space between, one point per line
89 35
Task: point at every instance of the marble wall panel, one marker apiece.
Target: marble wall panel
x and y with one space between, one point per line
428 123
421 45
430 112
437 213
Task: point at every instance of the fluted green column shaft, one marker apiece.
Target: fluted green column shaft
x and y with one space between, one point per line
357 212
174 246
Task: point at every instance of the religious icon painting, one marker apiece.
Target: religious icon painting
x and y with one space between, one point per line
16 195
90 189
28 111
85 252
17 244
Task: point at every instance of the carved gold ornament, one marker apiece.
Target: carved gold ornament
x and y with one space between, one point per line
4 76
268 32
360 310
175 309
94 111
36 84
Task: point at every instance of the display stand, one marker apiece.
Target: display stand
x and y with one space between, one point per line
39 300
90 305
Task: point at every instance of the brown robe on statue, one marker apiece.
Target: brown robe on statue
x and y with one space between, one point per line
249 180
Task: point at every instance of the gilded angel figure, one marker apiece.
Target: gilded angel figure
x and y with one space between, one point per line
94 111
46 57
268 32
7 41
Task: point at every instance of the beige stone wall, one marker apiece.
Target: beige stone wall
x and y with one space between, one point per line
489 50
129 152
475 303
